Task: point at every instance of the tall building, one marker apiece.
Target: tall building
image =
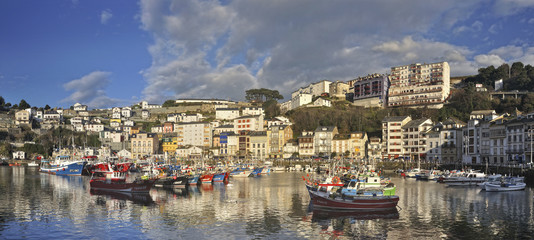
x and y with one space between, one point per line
194 134
418 85
392 136
371 90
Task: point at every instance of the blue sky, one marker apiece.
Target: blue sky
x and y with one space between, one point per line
115 53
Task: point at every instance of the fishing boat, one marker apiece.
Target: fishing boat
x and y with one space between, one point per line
256 172
138 185
221 177
495 178
240 172
372 201
207 178
172 182
471 178
507 184
63 165
194 180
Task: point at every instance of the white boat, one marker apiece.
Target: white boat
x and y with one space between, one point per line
279 169
495 178
508 184
33 164
471 178
413 173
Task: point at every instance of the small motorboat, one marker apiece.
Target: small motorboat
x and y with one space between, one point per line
507 184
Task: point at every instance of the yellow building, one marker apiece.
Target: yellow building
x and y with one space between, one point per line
169 145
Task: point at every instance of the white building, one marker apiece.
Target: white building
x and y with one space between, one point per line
145 114
315 89
79 107
392 136
194 134
126 112
146 105
19 155
252 111
248 123
226 113
301 99
419 85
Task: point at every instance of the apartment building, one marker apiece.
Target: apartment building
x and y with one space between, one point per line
279 135
194 134
144 144
371 90
414 138
418 85
323 136
305 141
392 136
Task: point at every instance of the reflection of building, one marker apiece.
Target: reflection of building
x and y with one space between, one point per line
418 85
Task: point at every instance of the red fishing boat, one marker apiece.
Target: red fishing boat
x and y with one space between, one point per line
326 200
207 178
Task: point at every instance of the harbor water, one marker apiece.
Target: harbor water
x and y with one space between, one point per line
275 206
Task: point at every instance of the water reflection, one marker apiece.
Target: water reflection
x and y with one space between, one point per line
137 198
272 207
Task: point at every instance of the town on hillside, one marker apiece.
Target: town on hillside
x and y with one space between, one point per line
190 129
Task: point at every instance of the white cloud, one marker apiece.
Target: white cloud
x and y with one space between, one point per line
508 52
105 15
489 59
209 49
89 90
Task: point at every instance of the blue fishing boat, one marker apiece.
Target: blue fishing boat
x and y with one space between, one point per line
256 172
63 165
194 180
221 177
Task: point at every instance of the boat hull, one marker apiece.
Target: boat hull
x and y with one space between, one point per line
362 203
70 169
504 187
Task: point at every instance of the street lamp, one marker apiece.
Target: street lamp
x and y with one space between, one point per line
530 136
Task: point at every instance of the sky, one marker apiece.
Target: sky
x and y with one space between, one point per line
105 53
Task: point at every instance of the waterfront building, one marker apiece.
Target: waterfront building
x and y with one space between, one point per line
194 134
278 135
370 91
190 152
392 136
259 144
144 145
353 145
305 141
498 143
290 150
444 142
473 141
228 144
169 145
414 138
19 155
322 140
418 85
374 148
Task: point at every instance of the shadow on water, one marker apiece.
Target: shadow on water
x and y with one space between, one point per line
137 198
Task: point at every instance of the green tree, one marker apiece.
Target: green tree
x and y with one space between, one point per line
47 107
23 104
262 95
169 103
271 108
